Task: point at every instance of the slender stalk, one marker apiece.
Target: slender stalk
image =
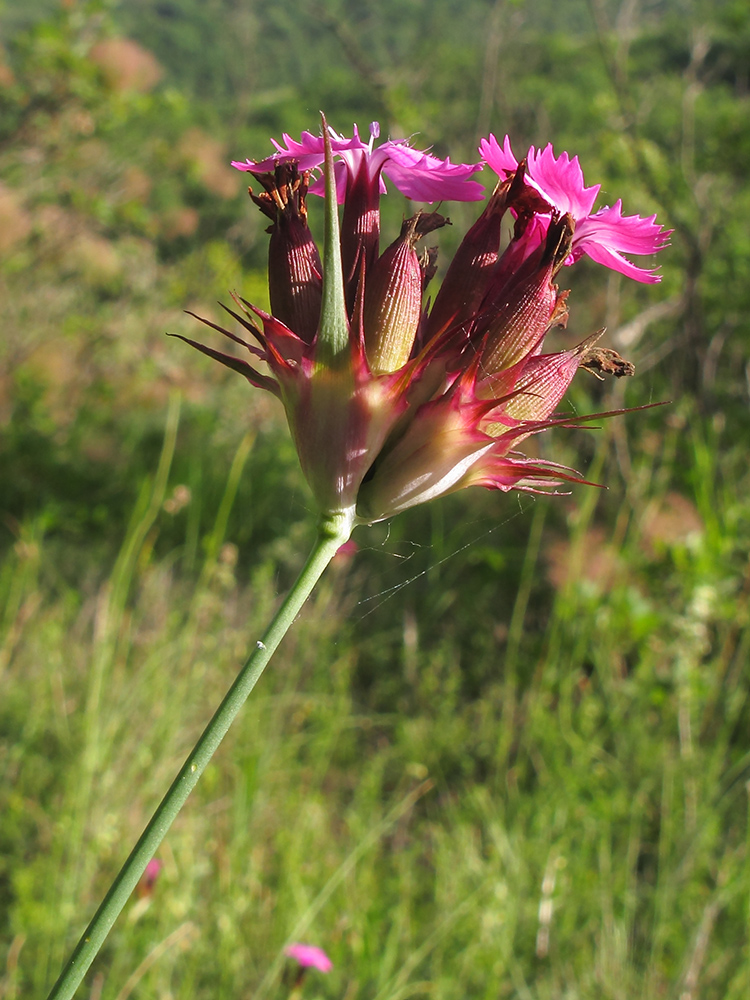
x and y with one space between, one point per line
334 530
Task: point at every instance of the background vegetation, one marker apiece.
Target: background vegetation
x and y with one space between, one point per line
505 751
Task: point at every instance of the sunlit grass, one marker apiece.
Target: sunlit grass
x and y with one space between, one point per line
555 809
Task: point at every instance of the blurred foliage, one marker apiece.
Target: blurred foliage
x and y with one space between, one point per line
119 209
571 675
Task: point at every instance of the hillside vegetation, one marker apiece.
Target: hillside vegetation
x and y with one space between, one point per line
504 752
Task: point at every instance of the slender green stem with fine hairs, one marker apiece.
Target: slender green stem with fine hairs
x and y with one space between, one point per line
334 530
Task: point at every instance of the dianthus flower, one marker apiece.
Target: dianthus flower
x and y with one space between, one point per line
390 403
606 235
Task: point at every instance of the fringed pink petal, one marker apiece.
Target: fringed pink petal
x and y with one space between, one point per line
560 181
424 177
499 158
607 234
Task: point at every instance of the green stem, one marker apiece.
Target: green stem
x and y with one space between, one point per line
334 530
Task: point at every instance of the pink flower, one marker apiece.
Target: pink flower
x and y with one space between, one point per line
152 870
148 879
418 175
309 957
391 403
604 235
346 551
359 170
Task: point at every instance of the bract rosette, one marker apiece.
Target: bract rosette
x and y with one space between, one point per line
391 404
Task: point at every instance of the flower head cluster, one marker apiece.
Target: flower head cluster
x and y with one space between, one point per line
391 403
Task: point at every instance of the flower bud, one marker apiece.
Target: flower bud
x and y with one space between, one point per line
544 382
294 269
528 305
470 271
477 266
393 297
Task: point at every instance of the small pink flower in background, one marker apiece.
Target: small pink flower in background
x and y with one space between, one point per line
308 956
149 877
152 870
346 551
604 235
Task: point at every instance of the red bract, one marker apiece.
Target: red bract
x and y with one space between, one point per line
391 404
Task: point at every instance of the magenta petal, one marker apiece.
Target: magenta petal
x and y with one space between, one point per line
611 258
424 177
305 161
560 181
627 233
307 154
313 145
499 158
416 174
607 234
341 173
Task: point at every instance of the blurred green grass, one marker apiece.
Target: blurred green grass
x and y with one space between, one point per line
560 813
504 751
